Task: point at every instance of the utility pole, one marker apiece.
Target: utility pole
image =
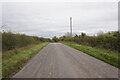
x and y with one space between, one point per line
70 26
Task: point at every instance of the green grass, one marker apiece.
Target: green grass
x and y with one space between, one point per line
16 59
108 56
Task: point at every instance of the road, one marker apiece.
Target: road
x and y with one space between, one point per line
60 61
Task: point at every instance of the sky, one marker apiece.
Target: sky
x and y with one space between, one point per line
48 19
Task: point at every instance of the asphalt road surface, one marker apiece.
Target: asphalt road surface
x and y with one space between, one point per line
60 61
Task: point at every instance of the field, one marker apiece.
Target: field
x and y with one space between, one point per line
18 49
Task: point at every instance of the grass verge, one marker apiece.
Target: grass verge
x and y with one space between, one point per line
108 56
13 63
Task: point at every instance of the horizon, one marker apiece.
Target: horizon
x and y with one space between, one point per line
74 34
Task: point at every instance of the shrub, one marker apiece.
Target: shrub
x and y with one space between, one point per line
11 40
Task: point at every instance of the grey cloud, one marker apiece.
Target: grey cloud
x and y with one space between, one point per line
48 19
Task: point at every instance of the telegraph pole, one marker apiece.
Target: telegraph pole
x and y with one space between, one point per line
70 26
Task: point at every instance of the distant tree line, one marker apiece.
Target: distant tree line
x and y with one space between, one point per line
11 40
110 40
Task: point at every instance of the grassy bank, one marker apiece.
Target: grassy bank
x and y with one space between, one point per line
14 60
107 56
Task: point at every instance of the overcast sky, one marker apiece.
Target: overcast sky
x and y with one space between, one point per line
48 19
